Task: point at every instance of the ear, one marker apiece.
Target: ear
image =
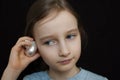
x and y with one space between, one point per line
37 52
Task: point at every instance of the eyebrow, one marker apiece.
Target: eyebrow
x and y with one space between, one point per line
72 30
51 36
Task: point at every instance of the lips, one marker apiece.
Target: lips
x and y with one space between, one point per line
66 61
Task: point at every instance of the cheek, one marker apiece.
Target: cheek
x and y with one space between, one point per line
76 44
76 47
47 50
48 53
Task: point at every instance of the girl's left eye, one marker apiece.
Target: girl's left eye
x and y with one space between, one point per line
70 36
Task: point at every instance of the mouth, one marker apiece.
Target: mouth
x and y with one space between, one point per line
66 61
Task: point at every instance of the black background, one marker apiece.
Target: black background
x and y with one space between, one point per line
96 16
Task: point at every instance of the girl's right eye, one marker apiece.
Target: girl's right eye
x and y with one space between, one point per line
50 42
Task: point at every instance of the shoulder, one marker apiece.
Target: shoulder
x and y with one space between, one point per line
88 75
37 76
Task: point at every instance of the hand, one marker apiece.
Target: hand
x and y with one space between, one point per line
18 60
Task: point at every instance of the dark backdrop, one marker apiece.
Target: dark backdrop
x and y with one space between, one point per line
96 16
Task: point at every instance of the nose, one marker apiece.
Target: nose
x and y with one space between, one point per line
64 49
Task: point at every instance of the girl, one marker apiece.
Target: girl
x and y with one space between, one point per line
59 37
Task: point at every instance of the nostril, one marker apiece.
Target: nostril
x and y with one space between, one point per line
64 52
64 48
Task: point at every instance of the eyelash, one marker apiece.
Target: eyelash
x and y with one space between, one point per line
48 42
70 36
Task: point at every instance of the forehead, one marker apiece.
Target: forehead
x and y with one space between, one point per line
64 20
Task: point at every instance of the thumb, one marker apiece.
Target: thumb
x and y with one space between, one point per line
36 56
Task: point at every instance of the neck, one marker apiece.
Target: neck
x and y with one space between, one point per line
63 75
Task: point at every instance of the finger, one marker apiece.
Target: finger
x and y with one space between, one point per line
21 45
22 39
36 56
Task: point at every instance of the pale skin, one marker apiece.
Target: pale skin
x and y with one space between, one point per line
59 44
18 61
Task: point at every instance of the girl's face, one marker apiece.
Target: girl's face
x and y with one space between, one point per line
58 41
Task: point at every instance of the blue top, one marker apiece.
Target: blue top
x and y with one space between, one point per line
82 75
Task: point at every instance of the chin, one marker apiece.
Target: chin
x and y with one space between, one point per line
67 67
